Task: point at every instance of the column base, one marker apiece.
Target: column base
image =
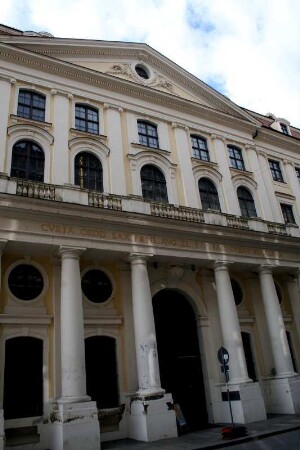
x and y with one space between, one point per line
151 417
247 403
282 395
75 426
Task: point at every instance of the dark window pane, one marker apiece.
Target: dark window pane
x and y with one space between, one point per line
200 150
275 170
236 157
96 286
148 134
28 161
88 172
31 105
154 184
246 202
237 292
287 212
25 282
208 195
86 119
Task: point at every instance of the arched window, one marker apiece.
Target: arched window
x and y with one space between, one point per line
200 150
27 161
31 105
246 202
86 119
208 195
147 134
154 185
88 172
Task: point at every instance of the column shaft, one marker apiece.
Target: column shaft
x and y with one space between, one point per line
144 328
279 344
230 325
72 331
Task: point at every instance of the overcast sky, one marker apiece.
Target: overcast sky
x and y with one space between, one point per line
248 50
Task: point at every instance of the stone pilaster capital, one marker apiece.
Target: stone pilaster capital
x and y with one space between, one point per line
139 258
262 154
214 136
288 161
180 125
66 252
251 147
115 107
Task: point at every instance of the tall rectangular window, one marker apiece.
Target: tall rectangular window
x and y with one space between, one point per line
200 150
287 212
86 119
275 170
236 157
147 134
31 105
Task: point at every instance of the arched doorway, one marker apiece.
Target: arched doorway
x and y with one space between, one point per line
179 356
23 378
101 371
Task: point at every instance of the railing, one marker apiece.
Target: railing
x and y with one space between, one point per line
276 228
72 194
107 201
237 222
177 212
36 190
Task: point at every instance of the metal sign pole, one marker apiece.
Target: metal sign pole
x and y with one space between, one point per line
228 393
223 357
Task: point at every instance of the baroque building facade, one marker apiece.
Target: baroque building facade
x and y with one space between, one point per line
146 221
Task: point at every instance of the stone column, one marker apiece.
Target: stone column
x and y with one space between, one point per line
144 328
269 184
230 325
279 344
117 159
293 286
261 188
184 157
61 126
221 154
5 88
72 332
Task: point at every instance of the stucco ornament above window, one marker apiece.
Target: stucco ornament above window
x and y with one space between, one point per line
154 79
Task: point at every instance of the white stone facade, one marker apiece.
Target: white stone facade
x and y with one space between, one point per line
198 250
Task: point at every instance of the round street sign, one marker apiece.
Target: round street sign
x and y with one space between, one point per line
223 355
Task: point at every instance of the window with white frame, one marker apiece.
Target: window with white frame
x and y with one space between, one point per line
276 170
246 202
287 212
86 118
148 135
236 157
154 186
200 150
208 195
28 161
31 105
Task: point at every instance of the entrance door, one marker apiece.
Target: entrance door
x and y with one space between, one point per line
23 378
246 338
179 357
101 371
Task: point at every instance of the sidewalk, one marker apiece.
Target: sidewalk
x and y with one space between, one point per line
211 438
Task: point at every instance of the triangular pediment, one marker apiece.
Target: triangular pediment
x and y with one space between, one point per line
122 60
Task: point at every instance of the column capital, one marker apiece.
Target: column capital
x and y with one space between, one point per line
266 269
70 252
137 257
222 265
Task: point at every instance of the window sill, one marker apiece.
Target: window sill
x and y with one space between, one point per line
19 119
155 149
87 133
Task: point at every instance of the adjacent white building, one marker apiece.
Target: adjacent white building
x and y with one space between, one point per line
145 221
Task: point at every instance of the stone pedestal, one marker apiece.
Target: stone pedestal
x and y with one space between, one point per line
75 426
151 418
246 402
282 395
